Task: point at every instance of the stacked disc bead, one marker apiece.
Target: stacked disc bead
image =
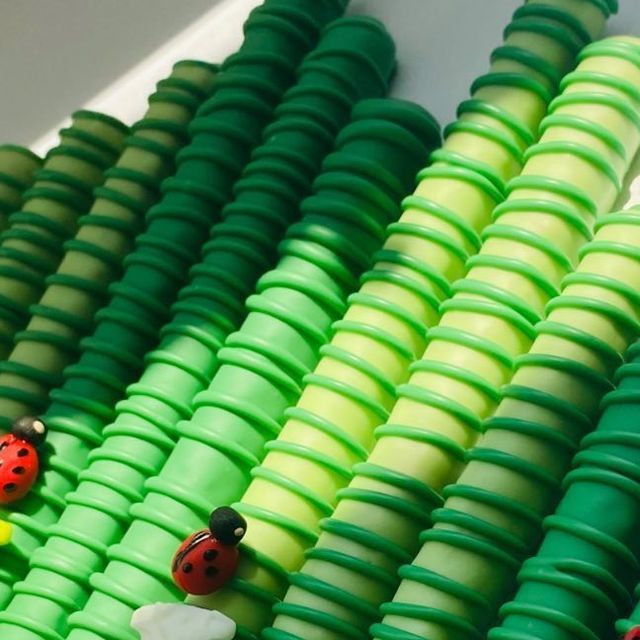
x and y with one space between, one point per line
583 575
229 124
592 14
483 151
382 332
263 363
492 517
214 271
534 242
18 166
79 288
32 247
241 248
93 258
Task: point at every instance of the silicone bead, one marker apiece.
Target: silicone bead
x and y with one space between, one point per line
483 331
18 166
32 247
129 325
92 260
262 364
515 471
274 187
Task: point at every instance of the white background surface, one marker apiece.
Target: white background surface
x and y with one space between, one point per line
60 55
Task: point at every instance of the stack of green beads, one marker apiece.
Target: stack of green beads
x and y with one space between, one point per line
353 395
93 258
583 575
17 173
182 366
267 199
570 177
228 125
487 346
32 247
264 362
492 516
480 192
79 286
592 14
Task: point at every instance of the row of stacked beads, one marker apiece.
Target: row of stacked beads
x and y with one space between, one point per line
228 126
267 200
79 287
17 173
456 158
488 322
195 152
474 491
93 258
31 247
229 123
478 520
332 425
582 577
564 184
294 308
491 519
263 363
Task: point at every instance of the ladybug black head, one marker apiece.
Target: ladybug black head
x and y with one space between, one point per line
227 525
29 428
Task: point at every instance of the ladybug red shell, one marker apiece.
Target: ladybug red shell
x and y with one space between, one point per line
634 634
207 559
19 463
202 565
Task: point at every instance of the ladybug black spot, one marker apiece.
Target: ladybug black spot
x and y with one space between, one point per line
211 572
23 453
18 470
210 555
3 445
10 487
187 567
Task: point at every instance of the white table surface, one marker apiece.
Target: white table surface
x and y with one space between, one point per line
60 55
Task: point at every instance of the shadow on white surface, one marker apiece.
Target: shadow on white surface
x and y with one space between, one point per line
442 46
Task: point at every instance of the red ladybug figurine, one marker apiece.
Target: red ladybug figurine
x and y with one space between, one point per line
634 634
207 559
19 462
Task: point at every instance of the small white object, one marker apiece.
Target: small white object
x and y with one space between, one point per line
168 621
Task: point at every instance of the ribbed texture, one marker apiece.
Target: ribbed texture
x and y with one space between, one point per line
66 310
18 167
439 411
459 524
262 367
231 123
33 245
583 575
267 201
492 517
93 258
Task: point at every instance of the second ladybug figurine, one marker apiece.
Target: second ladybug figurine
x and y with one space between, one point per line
19 463
634 634
207 559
